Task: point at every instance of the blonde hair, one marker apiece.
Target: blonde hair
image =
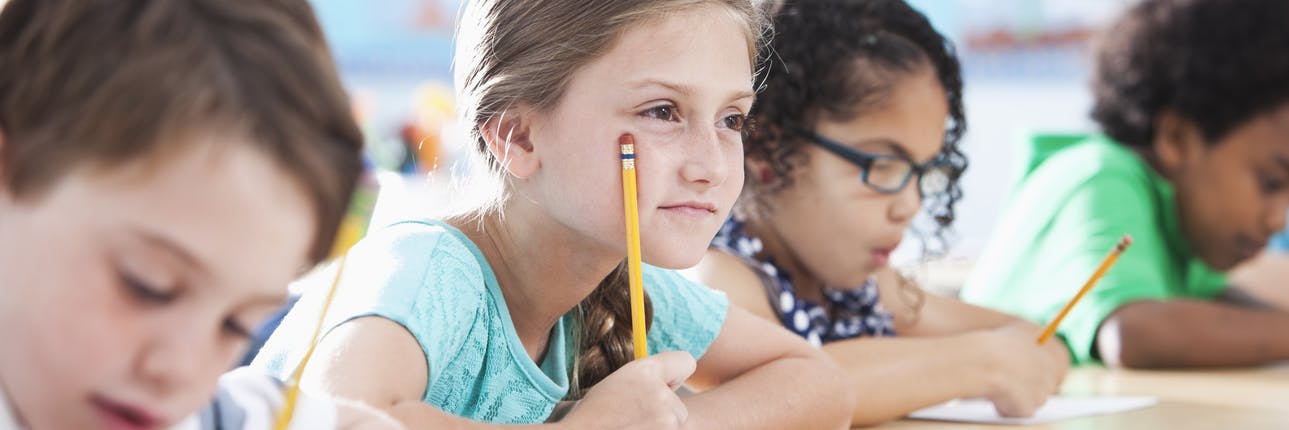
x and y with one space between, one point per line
511 51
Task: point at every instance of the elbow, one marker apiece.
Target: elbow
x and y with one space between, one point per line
847 400
866 417
1136 361
839 394
1127 339
869 411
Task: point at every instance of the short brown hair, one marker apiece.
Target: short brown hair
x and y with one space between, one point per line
103 83
1218 63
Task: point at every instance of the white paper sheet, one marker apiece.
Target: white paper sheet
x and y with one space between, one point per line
1056 409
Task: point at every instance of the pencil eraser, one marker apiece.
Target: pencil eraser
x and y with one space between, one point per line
1124 242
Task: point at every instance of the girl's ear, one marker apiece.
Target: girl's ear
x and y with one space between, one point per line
759 171
508 138
1178 142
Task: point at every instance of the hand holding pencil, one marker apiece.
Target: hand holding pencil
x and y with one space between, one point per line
1016 374
1028 381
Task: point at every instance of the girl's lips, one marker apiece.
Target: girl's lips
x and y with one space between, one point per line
121 416
882 257
690 208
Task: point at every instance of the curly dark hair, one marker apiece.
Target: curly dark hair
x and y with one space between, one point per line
1217 63
838 59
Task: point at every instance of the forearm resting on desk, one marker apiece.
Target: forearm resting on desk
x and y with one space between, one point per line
753 401
900 375
1192 333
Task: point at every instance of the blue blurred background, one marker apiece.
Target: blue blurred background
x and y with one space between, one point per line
1025 64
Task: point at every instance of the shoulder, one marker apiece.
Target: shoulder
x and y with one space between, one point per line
413 244
419 275
732 275
687 316
1096 163
669 290
1094 181
726 272
413 263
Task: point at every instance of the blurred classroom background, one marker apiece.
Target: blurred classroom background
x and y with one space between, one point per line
1025 64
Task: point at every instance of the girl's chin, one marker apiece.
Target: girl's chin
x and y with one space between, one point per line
674 259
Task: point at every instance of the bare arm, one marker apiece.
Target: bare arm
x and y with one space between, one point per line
941 316
947 347
901 375
1192 333
950 350
377 362
760 375
935 315
1265 278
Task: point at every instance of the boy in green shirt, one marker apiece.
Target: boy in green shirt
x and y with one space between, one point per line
1193 98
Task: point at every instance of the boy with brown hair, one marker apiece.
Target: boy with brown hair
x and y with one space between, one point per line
166 168
1193 100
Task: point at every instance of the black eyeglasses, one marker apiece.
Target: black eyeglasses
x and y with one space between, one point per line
889 173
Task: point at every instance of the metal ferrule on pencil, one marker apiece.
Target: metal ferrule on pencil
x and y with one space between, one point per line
628 155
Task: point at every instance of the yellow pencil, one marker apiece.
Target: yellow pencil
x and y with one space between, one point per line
1105 265
630 206
293 384
352 228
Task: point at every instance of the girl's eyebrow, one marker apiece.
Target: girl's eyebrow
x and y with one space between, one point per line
650 82
896 146
887 142
685 90
742 95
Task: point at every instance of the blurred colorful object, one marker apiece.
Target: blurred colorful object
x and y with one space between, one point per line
361 206
422 135
385 51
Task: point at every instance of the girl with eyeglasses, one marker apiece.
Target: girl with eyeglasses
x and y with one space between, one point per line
857 129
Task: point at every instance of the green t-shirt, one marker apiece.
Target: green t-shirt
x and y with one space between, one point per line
430 278
1075 197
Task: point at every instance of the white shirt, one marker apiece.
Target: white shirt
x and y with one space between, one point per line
248 399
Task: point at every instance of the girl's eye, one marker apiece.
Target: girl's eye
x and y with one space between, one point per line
663 112
232 327
1271 185
735 122
144 292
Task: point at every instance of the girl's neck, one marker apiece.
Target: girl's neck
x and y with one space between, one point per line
543 268
773 246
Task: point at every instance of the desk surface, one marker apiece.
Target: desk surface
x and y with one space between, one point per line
1198 399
